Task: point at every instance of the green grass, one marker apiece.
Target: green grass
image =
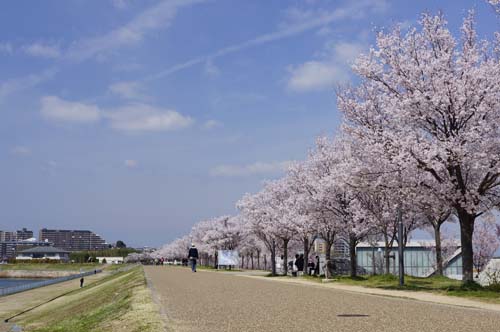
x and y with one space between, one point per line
116 303
411 283
49 266
435 284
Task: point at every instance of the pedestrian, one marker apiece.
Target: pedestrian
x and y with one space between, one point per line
193 256
81 282
280 266
291 265
295 266
316 271
310 266
300 264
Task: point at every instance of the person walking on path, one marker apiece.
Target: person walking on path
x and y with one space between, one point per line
81 282
316 271
280 265
295 267
193 256
300 264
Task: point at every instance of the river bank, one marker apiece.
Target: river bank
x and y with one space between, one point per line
108 302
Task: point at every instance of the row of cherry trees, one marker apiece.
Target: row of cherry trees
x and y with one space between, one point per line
420 137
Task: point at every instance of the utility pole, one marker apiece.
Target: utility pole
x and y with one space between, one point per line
400 247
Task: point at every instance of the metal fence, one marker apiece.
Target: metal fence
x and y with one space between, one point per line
37 284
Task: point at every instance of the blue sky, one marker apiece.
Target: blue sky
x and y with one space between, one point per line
136 119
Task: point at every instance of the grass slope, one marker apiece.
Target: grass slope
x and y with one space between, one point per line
120 302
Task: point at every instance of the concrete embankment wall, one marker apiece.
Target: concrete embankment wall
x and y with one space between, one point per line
36 274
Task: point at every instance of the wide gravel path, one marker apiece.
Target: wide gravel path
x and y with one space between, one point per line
216 301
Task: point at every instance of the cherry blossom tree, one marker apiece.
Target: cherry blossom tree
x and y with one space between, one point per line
250 248
435 215
430 105
378 192
495 4
485 243
283 228
353 225
318 198
177 249
300 205
219 233
253 209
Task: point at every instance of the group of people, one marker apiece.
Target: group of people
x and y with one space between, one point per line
296 266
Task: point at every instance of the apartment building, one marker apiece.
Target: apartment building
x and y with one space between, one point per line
24 234
73 240
6 236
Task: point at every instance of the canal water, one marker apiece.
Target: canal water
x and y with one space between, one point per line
10 282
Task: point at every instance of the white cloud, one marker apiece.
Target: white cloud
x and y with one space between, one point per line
119 4
159 16
42 50
257 168
57 109
315 75
212 124
301 23
132 117
131 163
21 151
345 52
211 69
22 83
140 117
332 68
6 48
128 90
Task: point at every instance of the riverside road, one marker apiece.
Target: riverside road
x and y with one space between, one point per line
216 301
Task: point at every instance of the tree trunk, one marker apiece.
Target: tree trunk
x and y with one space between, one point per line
285 254
273 258
387 251
352 253
251 257
439 252
215 260
258 259
466 230
374 265
265 262
306 255
328 256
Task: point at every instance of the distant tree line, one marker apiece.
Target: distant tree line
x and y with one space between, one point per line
89 256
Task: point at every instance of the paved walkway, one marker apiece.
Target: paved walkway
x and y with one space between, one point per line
215 301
